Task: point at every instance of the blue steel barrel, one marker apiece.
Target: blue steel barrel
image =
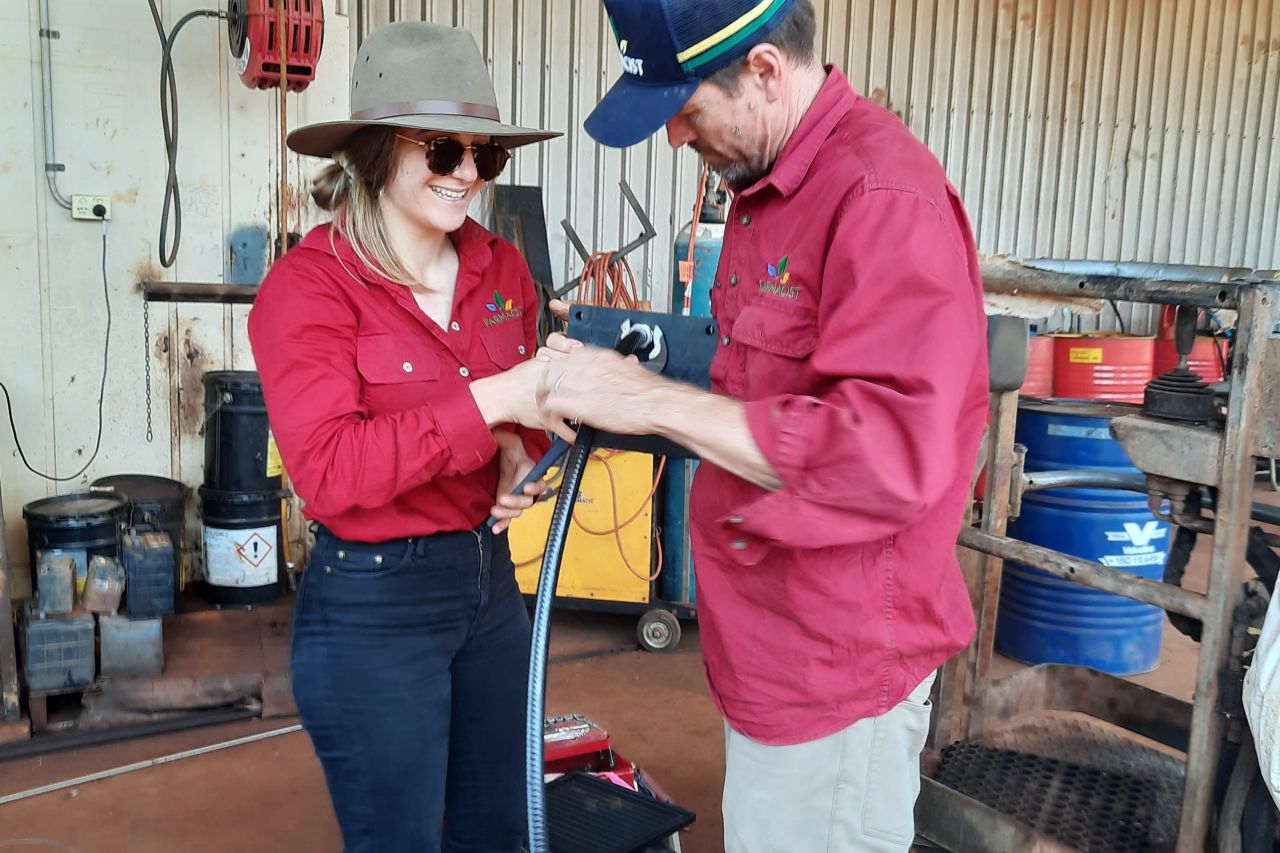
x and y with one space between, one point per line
1043 619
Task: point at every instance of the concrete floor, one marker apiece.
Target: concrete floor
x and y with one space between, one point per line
270 795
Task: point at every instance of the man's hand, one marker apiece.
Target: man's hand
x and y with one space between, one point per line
601 388
514 463
592 385
598 387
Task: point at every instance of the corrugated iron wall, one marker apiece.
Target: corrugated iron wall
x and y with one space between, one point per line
1124 130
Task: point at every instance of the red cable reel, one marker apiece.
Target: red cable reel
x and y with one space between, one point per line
252 37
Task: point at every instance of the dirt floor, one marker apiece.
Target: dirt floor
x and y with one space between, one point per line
269 795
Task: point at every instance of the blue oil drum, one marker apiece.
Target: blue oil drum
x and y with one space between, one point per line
1043 619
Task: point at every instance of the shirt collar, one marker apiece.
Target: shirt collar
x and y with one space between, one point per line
473 243
834 100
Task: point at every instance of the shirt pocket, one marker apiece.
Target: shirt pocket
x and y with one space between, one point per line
504 344
776 342
396 374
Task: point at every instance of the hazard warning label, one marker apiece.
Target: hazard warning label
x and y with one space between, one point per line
240 557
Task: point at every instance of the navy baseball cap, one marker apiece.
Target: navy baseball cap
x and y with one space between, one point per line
668 47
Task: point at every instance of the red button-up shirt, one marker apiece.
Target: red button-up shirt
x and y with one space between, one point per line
850 302
367 396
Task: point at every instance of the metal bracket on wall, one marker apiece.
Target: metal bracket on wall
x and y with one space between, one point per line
184 291
647 233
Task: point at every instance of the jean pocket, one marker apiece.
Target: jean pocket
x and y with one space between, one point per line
366 560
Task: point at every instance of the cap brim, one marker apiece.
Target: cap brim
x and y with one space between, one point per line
631 112
326 138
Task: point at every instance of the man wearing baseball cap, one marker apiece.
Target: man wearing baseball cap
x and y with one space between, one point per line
848 398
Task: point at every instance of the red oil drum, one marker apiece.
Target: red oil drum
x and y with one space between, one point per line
1115 368
1039 381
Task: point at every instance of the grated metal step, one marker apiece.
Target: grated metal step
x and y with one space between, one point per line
1084 807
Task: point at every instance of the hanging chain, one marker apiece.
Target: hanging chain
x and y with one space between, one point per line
146 359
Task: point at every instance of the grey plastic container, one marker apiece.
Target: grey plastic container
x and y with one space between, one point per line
57 651
56 585
131 647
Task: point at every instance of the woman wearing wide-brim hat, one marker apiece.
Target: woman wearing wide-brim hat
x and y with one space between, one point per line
395 347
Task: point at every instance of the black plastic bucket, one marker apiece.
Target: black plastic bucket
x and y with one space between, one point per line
239 454
81 526
156 502
242 537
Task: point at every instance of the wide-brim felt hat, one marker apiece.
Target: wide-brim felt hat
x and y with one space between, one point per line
421 76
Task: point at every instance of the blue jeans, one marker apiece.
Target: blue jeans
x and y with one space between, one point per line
409 665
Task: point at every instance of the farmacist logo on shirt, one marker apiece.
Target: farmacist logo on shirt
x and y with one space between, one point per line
776 283
502 310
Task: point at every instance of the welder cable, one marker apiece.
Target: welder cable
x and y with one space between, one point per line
102 387
541 629
169 121
535 707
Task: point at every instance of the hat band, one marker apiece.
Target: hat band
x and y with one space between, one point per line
448 108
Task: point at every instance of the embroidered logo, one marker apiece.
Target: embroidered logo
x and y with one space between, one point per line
776 283
502 310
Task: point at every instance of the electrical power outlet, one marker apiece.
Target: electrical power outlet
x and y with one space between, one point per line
83 207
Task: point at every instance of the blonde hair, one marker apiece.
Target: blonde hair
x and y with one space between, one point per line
350 187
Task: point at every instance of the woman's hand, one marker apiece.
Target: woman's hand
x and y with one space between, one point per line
514 463
511 397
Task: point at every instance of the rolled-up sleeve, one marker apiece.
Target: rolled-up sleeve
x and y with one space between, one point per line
339 456
900 332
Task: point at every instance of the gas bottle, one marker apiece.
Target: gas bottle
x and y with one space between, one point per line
707 240
677 582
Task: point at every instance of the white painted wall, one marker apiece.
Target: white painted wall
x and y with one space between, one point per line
106 79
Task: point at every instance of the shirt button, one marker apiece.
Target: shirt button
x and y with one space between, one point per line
328 570
377 559
462 371
520 349
739 545
733 280
408 368
724 341
746 220
454 325
716 283
342 555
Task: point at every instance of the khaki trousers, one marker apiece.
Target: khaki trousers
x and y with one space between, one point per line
850 792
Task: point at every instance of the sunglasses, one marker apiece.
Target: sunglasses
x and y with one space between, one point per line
444 155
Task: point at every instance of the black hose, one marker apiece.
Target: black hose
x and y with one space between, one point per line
169 121
535 707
